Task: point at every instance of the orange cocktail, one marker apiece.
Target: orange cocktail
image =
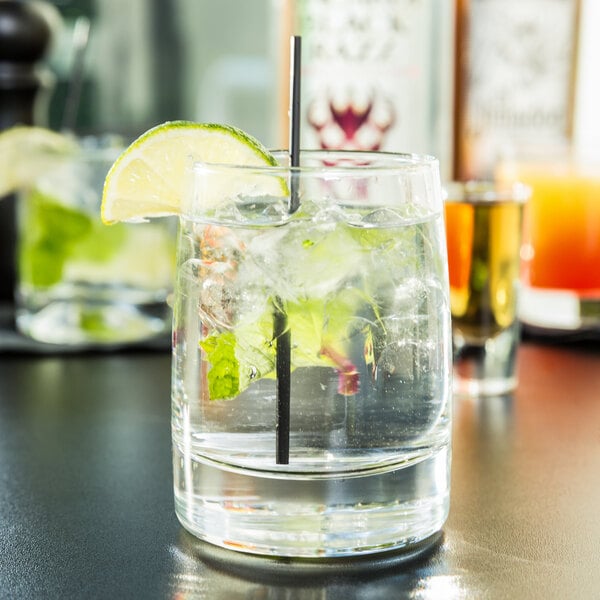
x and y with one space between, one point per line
562 228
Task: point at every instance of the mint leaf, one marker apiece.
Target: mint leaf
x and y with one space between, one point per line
320 332
41 263
223 376
102 243
50 231
327 303
255 349
56 220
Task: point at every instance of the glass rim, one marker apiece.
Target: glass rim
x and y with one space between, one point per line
352 162
90 148
485 191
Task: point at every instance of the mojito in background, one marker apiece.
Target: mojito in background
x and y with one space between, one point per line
80 281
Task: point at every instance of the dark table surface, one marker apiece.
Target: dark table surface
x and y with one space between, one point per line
86 507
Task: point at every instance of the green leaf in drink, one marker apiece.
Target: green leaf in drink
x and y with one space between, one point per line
102 243
223 376
51 231
55 232
57 221
41 263
320 331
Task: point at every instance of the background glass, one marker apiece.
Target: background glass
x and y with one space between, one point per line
561 254
80 281
483 229
358 277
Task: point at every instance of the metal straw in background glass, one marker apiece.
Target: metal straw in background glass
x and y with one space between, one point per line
81 36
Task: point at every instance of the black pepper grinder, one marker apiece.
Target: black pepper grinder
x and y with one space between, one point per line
25 35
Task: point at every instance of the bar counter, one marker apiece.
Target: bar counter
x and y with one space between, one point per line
86 508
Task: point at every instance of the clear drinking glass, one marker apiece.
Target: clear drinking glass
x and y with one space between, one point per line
79 281
484 233
353 283
561 243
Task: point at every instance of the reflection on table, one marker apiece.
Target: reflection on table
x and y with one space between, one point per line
87 511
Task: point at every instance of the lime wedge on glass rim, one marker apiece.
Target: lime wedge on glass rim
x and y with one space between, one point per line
149 178
26 152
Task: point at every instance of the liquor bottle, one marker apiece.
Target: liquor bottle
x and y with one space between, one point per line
376 74
514 79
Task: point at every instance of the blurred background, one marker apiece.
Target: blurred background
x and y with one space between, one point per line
468 81
148 61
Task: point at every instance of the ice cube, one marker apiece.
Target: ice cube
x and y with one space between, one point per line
212 286
410 381
383 216
253 210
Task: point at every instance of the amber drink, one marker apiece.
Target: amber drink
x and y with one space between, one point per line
483 230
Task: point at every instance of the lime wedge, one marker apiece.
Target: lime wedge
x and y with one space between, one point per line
149 178
26 152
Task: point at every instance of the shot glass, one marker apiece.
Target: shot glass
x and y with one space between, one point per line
484 236
80 282
312 356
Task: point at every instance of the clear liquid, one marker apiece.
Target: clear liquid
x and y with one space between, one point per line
369 436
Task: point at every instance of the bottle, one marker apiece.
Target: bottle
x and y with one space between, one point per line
516 62
376 74
519 98
25 34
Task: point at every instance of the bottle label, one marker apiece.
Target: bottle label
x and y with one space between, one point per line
519 84
366 75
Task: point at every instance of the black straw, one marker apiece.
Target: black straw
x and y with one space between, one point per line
282 335
295 53
281 331
81 36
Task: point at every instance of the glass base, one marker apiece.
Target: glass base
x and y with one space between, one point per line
78 323
465 386
559 310
278 573
280 514
488 367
